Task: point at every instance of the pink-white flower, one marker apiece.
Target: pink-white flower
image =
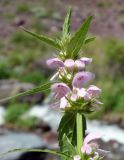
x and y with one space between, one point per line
55 63
79 64
63 103
82 78
60 89
86 60
70 64
93 91
77 157
89 147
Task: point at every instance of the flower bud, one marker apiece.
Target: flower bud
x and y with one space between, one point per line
69 63
54 63
86 60
79 64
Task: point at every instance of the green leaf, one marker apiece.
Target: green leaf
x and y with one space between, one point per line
68 148
35 150
67 128
38 89
66 25
88 40
78 39
45 39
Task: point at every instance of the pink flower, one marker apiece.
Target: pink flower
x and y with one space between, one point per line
55 63
77 157
79 64
81 78
89 147
63 103
70 64
86 60
60 89
93 91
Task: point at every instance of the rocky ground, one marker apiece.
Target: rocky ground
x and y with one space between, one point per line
108 15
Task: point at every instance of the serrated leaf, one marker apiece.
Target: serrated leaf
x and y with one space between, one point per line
68 148
67 127
38 89
45 39
35 150
88 40
78 39
66 25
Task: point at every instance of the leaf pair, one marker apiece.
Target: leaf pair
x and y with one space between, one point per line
75 43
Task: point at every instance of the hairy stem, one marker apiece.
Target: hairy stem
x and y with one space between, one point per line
79 132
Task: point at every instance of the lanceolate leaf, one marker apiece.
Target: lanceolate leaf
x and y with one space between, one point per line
41 88
68 148
66 25
45 39
67 128
35 150
78 39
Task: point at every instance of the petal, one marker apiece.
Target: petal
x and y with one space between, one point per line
91 137
60 89
69 63
82 92
86 60
81 78
86 149
63 103
79 64
77 157
54 63
94 91
74 97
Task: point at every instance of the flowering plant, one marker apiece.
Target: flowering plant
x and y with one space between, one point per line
71 93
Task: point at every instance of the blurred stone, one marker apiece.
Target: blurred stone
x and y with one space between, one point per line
17 141
12 87
46 114
114 118
2 113
40 64
19 21
35 98
42 127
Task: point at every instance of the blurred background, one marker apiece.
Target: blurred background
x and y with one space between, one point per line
28 121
